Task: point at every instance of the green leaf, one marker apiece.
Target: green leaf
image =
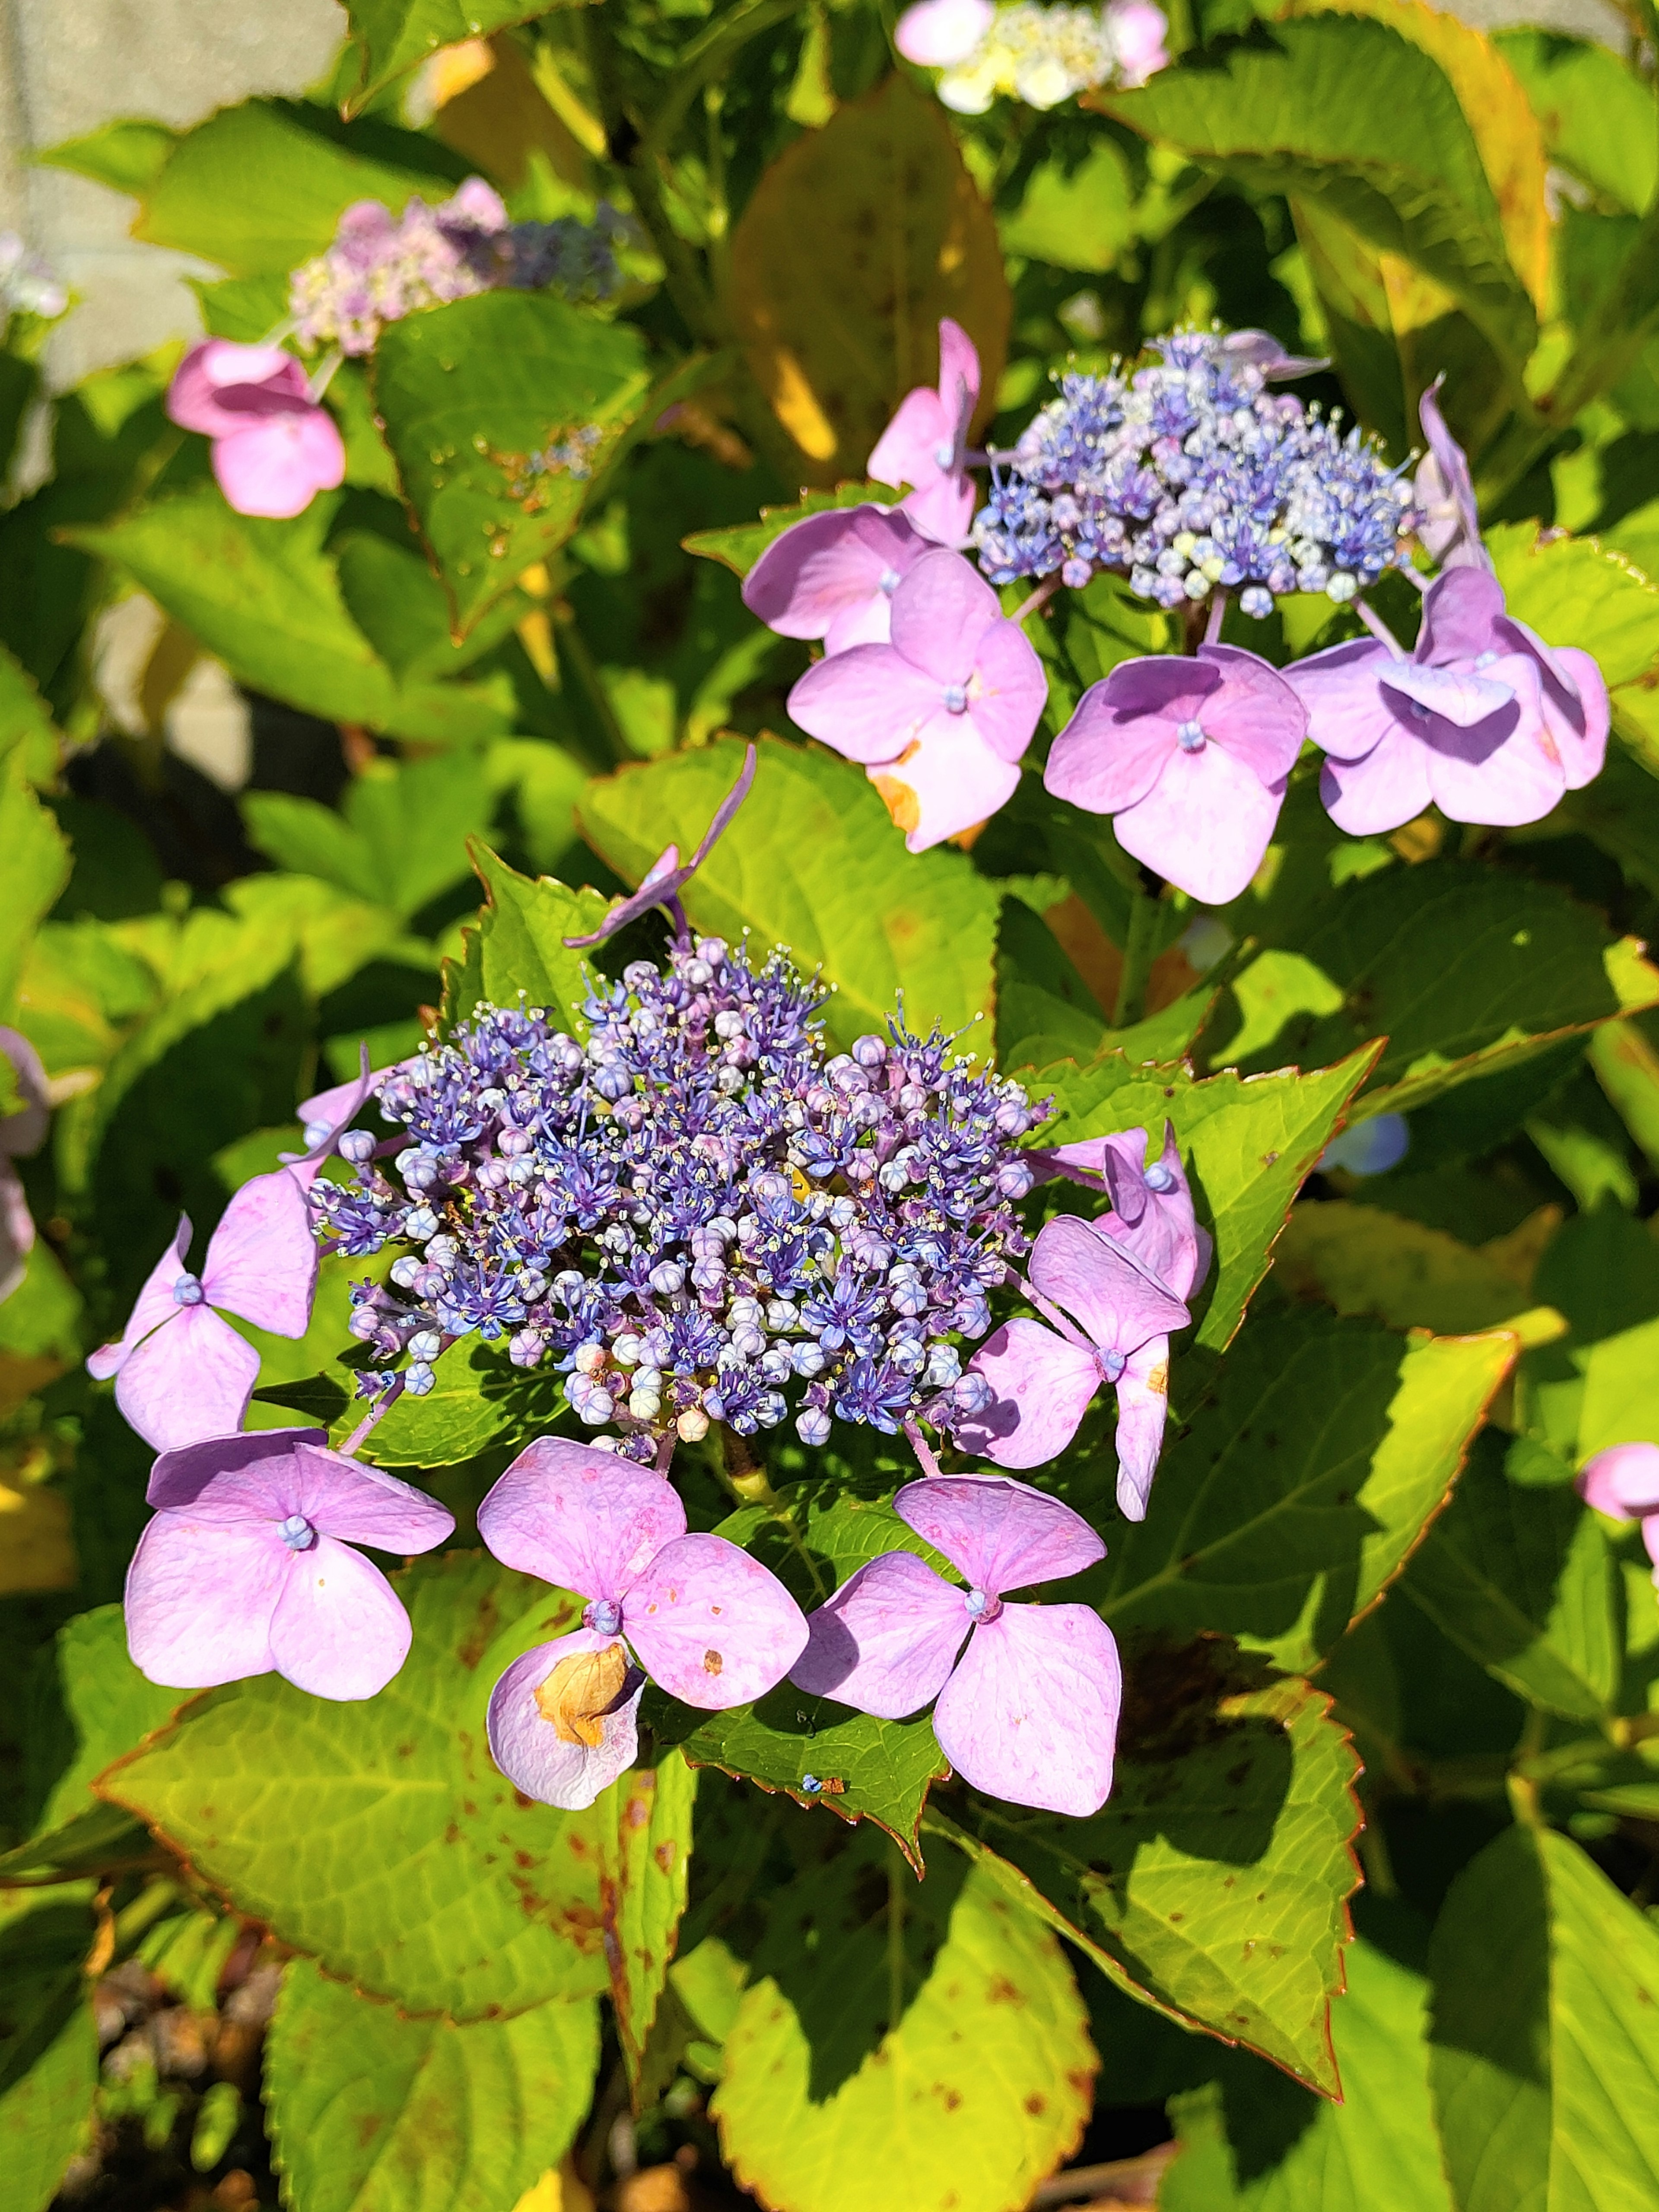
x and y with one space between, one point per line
1601 1271
1079 216
395 36
978 2087
1302 1482
128 155
1521 1579
523 929
1597 113
886 1767
740 544
1545 2034
1362 1260
399 838
1045 1010
37 862
813 862
265 597
479 400
643 1893
260 187
1249 1144
1214 1882
88 1706
1251 2143
1573 591
1401 167
48 2044
26 723
1465 971
471 1405
377 2113
379 1837
370 2111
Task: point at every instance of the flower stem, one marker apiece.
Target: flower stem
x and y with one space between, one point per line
1378 627
1137 960
1218 616
375 1415
922 1448
1040 598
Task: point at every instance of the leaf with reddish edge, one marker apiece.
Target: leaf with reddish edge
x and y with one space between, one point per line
1213 1885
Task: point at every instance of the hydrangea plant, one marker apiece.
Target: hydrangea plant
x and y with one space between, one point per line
827 1349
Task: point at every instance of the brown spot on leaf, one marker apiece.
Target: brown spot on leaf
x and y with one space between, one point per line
1035 2103
1001 1990
483 1632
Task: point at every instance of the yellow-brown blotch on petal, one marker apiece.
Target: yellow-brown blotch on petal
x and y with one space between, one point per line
579 1692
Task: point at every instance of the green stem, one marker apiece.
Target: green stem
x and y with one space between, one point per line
708 56
1137 960
573 649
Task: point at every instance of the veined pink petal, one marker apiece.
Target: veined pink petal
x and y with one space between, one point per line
339 1630
216 367
1008 690
23 1133
1164 1237
234 1479
943 511
958 373
154 1304
1581 738
1206 823
361 1505
868 703
262 1258
1255 714
276 467
581 1518
191 1378
908 450
949 779
1347 714
1031 1714
885 1643
1456 695
1388 785
1043 1387
1123 730
1121 1161
1451 532
1622 1481
1459 609
1102 1286
1505 769
528 1748
199 1599
827 569
941 610
1002 1535
710 1624
1143 1402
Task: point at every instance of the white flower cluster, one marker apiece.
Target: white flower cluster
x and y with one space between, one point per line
1026 51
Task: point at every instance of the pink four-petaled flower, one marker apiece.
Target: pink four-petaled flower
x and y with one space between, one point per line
710 1624
1029 1711
248 1568
938 717
1189 758
274 447
833 575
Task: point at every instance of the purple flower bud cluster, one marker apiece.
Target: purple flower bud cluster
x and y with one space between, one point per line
1190 475
382 267
698 1215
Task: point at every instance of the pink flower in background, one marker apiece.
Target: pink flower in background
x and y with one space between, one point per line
247 1567
938 33
834 575
1443 492
1481 719
274 447
926 444
1623 1482
1044 1380
940 715
1137 31
1029 1711
1189 758
710 1624
21 1133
